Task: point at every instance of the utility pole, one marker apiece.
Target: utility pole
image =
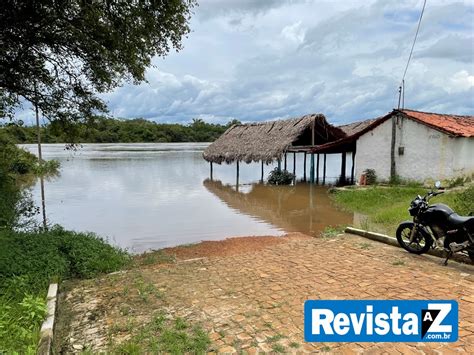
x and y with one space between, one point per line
401 101
40 158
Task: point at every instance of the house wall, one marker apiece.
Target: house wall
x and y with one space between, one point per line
373 151
428 153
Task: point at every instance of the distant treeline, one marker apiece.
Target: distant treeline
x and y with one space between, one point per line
109 130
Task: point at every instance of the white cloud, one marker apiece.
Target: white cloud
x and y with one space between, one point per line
294 33
255 60
460 81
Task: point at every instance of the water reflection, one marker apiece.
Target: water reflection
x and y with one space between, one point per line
150 196
301 208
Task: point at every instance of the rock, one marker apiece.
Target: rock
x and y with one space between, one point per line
227 350
77 347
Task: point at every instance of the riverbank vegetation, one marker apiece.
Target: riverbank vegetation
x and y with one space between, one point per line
31 257
110 130
382 208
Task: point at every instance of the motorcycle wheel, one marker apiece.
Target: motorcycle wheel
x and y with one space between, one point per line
421 243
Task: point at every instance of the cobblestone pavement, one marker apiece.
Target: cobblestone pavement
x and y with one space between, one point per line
253 302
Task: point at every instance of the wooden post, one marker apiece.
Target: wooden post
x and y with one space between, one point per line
211 170
261 178
311 207
304 167
237 182
40 160
279 164
317 171
294 167
353 166
285 161
324 170
342 179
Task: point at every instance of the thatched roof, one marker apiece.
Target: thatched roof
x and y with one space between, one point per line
267 141
356 127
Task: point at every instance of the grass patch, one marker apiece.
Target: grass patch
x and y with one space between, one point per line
237 345
385 207
163 335
29 261
294 345
332 231
275 338
155 257
268 325
398 262
278 348
365 246
146 289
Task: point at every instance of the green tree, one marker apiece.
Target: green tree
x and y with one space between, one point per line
61 54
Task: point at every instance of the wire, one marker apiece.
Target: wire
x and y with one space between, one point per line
414 40
409 57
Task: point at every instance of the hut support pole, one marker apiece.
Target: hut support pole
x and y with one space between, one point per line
285 161
312 154
324 170
261 178
294 167
279 164
237 176
353 166
304 167
342 179
212 175
317 171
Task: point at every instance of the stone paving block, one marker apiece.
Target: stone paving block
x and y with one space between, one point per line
251 297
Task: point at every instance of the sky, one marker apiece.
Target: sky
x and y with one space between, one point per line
257 60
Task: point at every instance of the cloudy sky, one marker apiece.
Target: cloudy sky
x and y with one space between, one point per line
263 59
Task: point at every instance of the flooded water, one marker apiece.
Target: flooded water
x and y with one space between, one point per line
150 196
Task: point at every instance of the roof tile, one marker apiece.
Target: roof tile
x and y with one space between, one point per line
452 124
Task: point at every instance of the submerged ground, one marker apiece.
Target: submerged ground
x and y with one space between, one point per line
247 294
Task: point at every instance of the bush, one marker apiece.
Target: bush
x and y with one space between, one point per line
42 256
370 177
280 177
464 202
17 169
29 261
20 321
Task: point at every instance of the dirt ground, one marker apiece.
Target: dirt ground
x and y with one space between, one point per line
248 293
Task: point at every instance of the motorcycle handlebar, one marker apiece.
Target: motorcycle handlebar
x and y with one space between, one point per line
432 194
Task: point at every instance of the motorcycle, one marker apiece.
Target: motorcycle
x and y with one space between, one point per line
436 226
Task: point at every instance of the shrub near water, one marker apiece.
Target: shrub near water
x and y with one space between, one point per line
29 262
58 253
280 177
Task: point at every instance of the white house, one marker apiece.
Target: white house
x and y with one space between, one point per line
425 145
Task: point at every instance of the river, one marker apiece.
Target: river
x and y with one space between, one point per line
155 195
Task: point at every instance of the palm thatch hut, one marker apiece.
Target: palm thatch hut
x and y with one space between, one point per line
272 140
269 141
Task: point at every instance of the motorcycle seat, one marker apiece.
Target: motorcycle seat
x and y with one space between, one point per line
458 220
